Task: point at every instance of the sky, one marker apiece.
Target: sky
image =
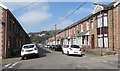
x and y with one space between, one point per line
42 16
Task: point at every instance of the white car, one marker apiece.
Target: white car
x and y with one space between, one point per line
71 49
28 50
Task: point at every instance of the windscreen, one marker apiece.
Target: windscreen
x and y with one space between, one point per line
29 46
74 46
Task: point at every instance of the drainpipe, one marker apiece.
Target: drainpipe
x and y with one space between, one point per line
6 36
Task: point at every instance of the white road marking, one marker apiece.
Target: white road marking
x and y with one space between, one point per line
78 66
13 64
7 65
105 61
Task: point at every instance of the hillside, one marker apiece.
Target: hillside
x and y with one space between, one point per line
41 37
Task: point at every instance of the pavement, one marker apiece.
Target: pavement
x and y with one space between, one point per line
56 60
10 61
0 64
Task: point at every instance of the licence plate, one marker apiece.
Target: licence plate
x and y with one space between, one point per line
29 50
75 52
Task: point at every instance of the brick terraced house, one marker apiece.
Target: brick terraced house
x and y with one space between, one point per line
12 35
98 30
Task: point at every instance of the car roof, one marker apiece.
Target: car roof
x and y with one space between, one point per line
28 44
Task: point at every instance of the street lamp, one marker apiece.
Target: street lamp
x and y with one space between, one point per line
101 50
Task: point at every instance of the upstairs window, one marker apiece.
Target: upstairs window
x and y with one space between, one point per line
87 26
81 27
102 21
105 21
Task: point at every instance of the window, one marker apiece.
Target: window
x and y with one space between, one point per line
105 30
81 27
99 21
102 20
29 46
106 41
74 46
77 30
92 25
66 46
100 42
98 31
105 21
74 30
87 26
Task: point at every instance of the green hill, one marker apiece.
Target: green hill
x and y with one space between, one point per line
41 37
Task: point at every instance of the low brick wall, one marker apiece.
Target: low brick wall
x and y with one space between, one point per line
99 52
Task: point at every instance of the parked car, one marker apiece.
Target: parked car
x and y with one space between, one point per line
28 50
57 48
71 49
45 46
52 47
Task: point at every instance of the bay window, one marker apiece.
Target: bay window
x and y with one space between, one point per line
102 30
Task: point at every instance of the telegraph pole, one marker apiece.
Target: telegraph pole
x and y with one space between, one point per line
55 34
101 30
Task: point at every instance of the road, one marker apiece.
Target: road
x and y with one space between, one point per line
56 60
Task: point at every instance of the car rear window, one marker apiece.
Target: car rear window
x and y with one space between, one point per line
29 46
74 46
66 46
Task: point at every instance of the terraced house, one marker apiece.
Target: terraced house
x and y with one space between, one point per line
98 30
12 35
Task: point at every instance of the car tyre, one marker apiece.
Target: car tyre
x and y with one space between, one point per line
62 52
23 57
37 55
68 53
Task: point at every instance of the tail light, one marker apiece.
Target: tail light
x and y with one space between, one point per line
70 48
80 49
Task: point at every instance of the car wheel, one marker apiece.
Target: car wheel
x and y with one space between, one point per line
68 53
53 49
62 52
37 55
23 57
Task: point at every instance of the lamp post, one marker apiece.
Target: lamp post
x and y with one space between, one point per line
101 23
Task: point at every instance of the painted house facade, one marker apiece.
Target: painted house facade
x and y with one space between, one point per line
98 30
12 35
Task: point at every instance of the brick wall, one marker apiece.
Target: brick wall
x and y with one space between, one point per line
15 38
115 29
110 29
119 26
3 30
0 33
